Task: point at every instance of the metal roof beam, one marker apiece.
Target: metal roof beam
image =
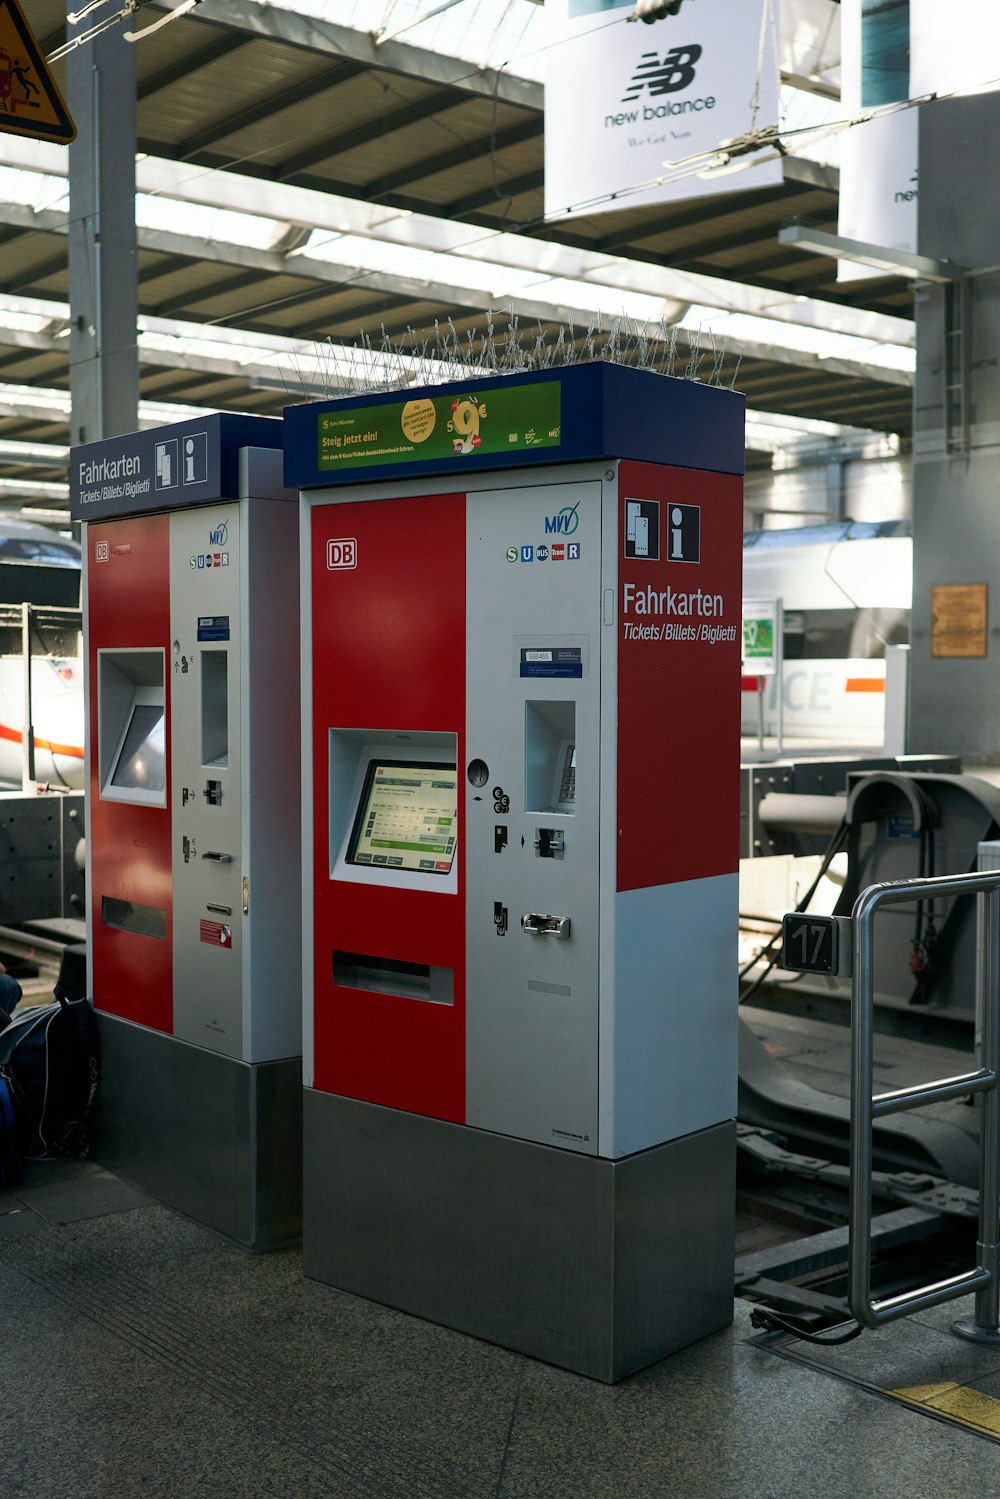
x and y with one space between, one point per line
855 369
190 62
490 196
186 300
356 316
421 232
394 290
263 109
669 222
170 264
12 232
295 29
418 171
34 274
399 119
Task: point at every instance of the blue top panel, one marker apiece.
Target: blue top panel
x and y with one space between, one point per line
166 468
565 415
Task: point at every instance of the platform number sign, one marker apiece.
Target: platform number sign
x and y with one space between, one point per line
811 944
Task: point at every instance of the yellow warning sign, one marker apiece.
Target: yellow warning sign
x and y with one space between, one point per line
30 102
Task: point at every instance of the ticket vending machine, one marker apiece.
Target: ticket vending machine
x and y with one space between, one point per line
191 617
521 661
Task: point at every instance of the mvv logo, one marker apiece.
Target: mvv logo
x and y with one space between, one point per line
565 522
675 72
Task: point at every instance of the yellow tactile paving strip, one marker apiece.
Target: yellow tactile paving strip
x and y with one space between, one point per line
954 1402
948 1400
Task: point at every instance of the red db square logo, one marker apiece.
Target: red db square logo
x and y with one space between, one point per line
102 551
342 553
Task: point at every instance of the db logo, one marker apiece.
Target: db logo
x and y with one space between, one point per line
342 553
102 551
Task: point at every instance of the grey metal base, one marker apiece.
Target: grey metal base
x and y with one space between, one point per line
597 1266
219 1140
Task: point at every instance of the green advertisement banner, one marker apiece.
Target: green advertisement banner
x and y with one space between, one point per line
495 419
758 638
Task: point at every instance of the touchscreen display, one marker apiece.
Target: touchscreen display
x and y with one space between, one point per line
142 763
407 817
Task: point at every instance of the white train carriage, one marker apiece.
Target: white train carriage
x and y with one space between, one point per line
846 590
43 569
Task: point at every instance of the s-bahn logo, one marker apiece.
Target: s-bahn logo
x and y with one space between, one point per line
669 76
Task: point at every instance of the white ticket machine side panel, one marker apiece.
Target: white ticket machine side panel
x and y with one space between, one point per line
270 894
206 776
533 810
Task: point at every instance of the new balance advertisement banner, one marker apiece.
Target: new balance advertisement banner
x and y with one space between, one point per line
878 164
893 50
622 99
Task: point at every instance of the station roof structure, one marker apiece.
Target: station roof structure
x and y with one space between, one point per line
303 180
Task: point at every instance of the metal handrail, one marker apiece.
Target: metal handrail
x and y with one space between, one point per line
866 1107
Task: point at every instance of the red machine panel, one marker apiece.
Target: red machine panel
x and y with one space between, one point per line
129 609
389 624
679 653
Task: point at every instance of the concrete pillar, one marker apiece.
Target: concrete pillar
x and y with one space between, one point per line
954 700
103 285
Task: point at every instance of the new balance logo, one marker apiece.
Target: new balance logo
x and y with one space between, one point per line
675 72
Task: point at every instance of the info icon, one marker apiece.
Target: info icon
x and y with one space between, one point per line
642 529
683 533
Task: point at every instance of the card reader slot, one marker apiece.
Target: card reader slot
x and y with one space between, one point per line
426 981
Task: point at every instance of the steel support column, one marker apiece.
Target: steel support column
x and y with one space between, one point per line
103 287
956 431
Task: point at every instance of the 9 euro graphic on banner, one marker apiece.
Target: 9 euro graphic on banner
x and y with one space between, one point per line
620 100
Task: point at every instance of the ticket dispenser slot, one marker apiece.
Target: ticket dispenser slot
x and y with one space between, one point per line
550 757
132 727
215 708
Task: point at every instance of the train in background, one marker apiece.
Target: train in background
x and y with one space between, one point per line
41 568
846 589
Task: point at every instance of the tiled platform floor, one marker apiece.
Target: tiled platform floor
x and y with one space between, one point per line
143 1356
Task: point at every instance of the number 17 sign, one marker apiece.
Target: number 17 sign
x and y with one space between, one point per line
816 944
